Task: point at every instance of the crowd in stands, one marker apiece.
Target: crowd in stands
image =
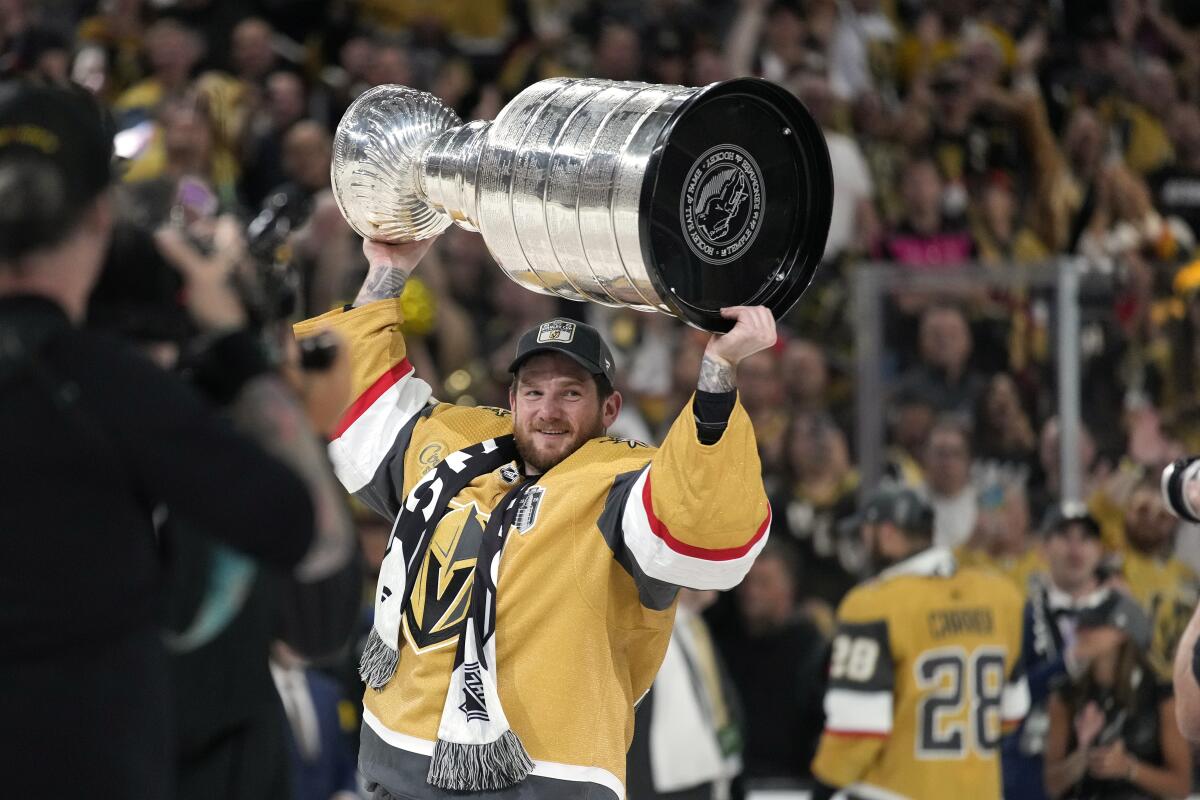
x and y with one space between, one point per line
1001 133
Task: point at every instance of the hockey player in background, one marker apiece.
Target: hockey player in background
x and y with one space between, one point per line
924 670
527 596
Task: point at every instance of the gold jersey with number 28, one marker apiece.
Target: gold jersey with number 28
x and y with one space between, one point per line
924 679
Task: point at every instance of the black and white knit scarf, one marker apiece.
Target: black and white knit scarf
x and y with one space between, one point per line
476 750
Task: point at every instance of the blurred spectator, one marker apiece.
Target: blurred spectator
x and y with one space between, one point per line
777 660
284 106
862 47
805 375
1177 357
1148 565
111 41
618 52
307 149
948 483
31 45
945 372
1003 436
481 27
1139 115
911 414
1112 729
1002 236
926 239
784 31
760 387
185 145
964 116
1125 223
939 33
389 63
1176 186
172 50
1001 539
39 53
1070 583
854 224
252 52
1160 582
1047 484
687 738
820 494
1071 199
348 77
320 722
877 131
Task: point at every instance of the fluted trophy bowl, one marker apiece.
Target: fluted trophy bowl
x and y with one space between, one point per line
659 198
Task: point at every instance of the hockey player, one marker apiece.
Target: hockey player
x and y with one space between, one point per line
923 673
527 595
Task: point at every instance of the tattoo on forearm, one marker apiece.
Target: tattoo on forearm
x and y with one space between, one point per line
382 283
715 376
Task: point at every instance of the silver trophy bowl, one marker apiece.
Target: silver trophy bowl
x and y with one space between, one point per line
658 198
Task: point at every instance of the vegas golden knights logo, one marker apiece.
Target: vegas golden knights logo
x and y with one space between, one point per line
440 596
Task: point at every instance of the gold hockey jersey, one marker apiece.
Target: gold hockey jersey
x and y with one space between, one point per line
1166 588
587 582
923 679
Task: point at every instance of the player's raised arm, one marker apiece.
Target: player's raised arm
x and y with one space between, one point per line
368 444
698 515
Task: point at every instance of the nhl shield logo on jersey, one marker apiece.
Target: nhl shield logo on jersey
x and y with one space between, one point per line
527 509
441 594
556 330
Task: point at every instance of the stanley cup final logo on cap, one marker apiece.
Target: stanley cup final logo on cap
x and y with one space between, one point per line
721 209
556 330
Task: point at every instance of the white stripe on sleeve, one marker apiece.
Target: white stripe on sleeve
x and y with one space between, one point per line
667 560
851 712
362 447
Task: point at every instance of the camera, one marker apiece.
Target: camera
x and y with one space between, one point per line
1176 479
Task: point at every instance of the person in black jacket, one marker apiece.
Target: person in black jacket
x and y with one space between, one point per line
224 608
96 440
777 660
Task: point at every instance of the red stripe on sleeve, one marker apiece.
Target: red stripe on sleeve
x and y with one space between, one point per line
683 548
365 400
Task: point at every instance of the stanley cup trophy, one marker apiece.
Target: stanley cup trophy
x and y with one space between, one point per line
659 198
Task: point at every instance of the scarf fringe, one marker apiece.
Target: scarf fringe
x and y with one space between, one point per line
378 662
479 767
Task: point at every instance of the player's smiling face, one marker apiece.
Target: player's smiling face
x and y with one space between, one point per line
556 409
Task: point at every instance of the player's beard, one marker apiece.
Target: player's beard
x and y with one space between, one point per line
543 458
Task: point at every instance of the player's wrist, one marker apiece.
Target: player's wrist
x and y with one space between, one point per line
716 375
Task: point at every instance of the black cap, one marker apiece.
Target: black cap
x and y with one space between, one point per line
65 127
1059 517
577 340
1118 610
900 506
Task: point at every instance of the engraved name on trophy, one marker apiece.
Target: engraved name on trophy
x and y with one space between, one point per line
659 198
